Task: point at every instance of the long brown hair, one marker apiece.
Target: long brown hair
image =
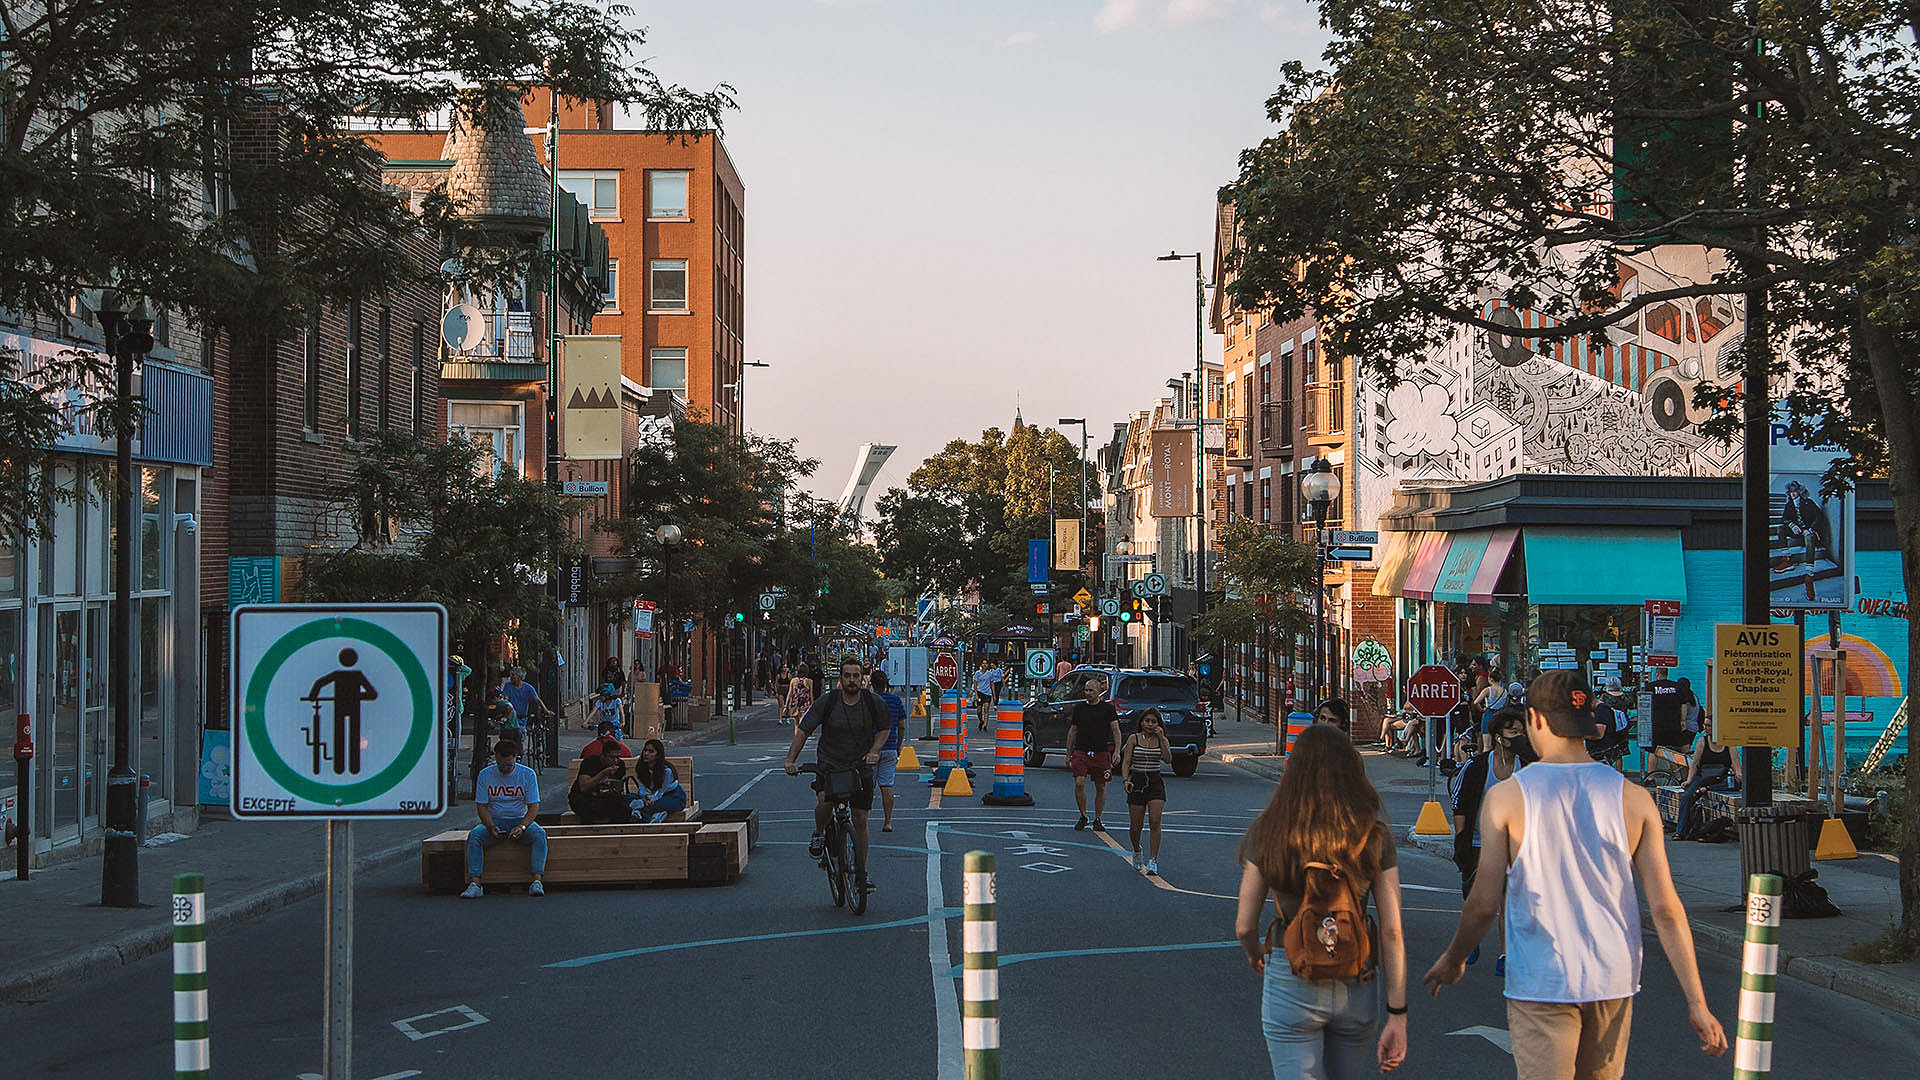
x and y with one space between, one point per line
1323 810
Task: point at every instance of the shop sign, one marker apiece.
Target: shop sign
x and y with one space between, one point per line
1756 684
1663 633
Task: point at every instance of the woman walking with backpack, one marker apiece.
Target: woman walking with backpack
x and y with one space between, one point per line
1321 850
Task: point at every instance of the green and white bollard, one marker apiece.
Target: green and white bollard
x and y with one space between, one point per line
190 1049
980 1010
1759 970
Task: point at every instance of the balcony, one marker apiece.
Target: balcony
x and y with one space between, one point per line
1239 432
505 337
1276 426
1325 419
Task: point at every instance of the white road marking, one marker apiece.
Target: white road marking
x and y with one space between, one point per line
403 1075
1499 1037
406 1027
946 1001
1046 868
742 790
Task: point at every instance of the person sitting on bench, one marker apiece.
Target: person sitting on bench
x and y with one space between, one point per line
1710 769
608 736
660 792
599 793
507 798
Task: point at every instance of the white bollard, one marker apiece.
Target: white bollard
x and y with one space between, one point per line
980 1011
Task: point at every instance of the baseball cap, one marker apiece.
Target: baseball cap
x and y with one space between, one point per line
1566 700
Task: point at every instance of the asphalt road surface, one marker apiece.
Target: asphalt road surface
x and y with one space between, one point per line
1104 971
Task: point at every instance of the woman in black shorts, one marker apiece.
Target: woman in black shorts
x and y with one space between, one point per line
1140 761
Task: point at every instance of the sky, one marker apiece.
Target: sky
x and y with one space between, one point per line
953 208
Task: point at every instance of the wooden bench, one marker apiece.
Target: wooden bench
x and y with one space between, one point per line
682 770
1711 806
690 851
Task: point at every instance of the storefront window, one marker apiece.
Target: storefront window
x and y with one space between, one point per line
59 557
12 665
1588 629
10 583
152 696
153 484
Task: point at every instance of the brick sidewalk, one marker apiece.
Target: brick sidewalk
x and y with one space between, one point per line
251 869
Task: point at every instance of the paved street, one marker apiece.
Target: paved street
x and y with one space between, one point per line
765 977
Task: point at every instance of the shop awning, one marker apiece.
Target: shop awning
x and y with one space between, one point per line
1395 561
1473 565
1426 566
1575 565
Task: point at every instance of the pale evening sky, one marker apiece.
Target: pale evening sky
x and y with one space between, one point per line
954 205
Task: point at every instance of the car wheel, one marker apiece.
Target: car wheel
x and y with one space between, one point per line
1030 753
1186 764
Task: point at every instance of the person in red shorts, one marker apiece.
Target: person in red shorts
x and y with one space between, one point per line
1093 732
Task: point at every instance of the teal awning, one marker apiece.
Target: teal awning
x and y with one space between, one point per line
1600 565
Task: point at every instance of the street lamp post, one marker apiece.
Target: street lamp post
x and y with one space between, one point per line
1317 487
125 338
668 537
1199 430
1121 548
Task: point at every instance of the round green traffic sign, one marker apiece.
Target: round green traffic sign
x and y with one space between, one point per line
419 733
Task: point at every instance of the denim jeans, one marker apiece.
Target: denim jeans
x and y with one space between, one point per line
672 802
482 838
1322 1030
1706 780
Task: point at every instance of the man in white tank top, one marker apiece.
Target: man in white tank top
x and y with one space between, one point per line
1572 832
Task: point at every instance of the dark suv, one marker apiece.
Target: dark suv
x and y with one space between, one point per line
1132 691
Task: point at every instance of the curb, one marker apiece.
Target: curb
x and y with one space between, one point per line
1247 763
1831 973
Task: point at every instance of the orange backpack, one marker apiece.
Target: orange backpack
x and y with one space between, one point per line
1331 936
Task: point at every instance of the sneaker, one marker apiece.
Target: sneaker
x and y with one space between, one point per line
817 846
536 889
1099 826
1081 825
1139 863
1474 956
866 884
1500 966
1153 868
474 891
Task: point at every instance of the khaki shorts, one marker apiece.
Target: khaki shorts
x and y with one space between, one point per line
1557 1041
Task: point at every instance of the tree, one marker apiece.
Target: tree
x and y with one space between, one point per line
434 525
1444 158
123 140
1262 574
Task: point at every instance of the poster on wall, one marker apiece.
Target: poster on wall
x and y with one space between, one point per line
216 768
1812 534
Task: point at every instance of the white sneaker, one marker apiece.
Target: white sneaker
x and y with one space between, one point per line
1153 868
474 891
1138 862
536 889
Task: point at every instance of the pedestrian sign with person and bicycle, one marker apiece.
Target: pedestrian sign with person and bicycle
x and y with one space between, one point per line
336 710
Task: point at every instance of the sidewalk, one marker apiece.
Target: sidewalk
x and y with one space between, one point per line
1866 889
251 868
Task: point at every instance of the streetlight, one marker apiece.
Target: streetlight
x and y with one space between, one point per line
668 537
1317 487
1199 427
125 338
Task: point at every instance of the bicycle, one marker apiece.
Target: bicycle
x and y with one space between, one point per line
837 860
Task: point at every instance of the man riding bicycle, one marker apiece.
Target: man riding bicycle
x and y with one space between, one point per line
524 698
853 723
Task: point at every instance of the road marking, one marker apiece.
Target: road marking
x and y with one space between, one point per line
742 789
1427 888
1499 1037
933 796
1065 954
935 915
1036 849
1046 868
1158 881
403 1075
471 1019
946 1001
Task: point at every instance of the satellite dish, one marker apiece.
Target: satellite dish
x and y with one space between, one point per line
463 327
453 268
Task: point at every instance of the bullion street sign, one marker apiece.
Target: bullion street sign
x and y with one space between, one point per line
336 710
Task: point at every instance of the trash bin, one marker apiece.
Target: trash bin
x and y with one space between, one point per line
1773 840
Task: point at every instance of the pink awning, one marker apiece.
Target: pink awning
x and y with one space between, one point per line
1499 549
1426 566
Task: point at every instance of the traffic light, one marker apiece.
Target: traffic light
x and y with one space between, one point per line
739 617
1126 613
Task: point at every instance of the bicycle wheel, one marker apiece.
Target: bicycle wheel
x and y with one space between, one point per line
858 893
836 876
844 887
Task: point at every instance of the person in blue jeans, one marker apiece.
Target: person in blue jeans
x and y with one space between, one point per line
1324 812
507 798
887 768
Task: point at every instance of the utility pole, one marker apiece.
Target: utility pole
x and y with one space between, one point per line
120 858
553 376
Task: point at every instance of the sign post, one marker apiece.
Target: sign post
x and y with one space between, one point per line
1434 692
337 717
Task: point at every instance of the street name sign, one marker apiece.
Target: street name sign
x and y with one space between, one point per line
1433 691
1756 684
586 487
1350 554
944 671
1040 663
337 712
1353 536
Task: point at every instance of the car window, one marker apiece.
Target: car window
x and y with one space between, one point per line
1157 688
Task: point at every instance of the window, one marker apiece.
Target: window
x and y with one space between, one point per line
1246 507
385 409
310 375
353 368
1286 399
495 427
599 192
666 194
1266 399
668 368
610 296
1266 499
418 377
667 287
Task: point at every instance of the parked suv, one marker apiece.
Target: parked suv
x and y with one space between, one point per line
1132 691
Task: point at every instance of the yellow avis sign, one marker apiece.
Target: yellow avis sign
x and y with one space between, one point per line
1756 684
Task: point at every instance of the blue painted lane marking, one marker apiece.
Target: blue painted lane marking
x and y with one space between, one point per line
1062 954
600 958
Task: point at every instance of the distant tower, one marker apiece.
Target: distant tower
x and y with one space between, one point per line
866 465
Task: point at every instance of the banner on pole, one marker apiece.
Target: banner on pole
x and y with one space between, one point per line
590 397
1066 544
1172 474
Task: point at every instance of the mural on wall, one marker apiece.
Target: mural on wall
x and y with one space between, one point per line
1613 404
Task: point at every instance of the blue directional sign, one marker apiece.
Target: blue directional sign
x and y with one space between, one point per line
1037 560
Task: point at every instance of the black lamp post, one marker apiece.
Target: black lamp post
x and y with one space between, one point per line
1317 486
125 338
669 538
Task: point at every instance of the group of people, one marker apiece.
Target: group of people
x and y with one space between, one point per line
1570 836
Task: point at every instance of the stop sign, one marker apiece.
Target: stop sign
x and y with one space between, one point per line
1433 691
945 671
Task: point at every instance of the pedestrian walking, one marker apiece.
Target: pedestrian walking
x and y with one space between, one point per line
1093 733
885 770
1321 850
1140 760
799 697
1469 794
1571 834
